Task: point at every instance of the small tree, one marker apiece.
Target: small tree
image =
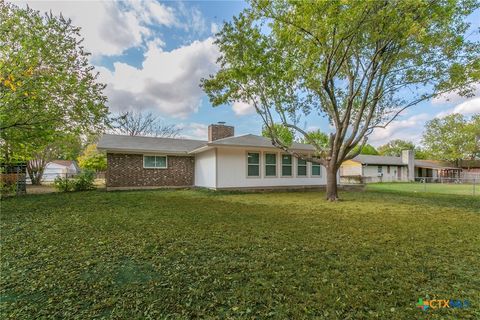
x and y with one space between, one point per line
92 159
142 124
350 61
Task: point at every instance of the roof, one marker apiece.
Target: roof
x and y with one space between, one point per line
397 161
66 163
433 164
123 143
470 163
251 140
381 160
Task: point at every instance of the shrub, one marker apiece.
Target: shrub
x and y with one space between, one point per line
84 181
63 184
81 182
7 189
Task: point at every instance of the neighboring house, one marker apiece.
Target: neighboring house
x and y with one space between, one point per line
370 168
470 169
222 162
58 168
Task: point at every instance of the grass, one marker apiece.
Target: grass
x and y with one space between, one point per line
444 188
197 254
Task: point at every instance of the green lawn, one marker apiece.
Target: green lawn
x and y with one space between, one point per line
197 254
445 188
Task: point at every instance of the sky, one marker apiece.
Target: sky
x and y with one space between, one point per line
152 55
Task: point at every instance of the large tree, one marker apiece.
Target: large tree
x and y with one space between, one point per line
48 89
395 147
134 123
452 138
357 63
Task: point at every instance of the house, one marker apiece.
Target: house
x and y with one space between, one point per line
58 168
372 168
470 169
224 161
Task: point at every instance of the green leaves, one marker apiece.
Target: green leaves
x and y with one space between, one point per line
395 147
349 61
280 132
92 159
453 137
47 86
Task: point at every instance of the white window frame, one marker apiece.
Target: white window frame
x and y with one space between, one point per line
259 164
306 168
291 165
311 170
265 164
155 155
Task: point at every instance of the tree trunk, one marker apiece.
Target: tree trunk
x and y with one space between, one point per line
35 170
332 193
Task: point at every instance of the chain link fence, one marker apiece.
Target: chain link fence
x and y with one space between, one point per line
466 185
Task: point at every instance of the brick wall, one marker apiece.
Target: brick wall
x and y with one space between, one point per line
219 131
126 170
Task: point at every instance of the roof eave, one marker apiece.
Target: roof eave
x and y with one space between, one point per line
200 149
254 146
141 151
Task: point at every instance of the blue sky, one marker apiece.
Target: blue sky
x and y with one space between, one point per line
153 54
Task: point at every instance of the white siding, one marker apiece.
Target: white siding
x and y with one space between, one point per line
53 170
371 173
205 174
232 171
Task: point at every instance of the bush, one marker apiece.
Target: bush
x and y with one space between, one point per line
63 184
84 181
7 189
81 182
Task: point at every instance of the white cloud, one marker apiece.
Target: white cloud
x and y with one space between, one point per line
453 97
242 108
411 128
193 21
466 108
167 80
407 129
110 28
193 130
214 28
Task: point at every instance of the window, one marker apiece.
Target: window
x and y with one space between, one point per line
380 169
388 169
253 160
301 167
286 165
159 162
270 164
316 170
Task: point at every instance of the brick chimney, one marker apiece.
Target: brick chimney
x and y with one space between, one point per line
408 158
219 131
